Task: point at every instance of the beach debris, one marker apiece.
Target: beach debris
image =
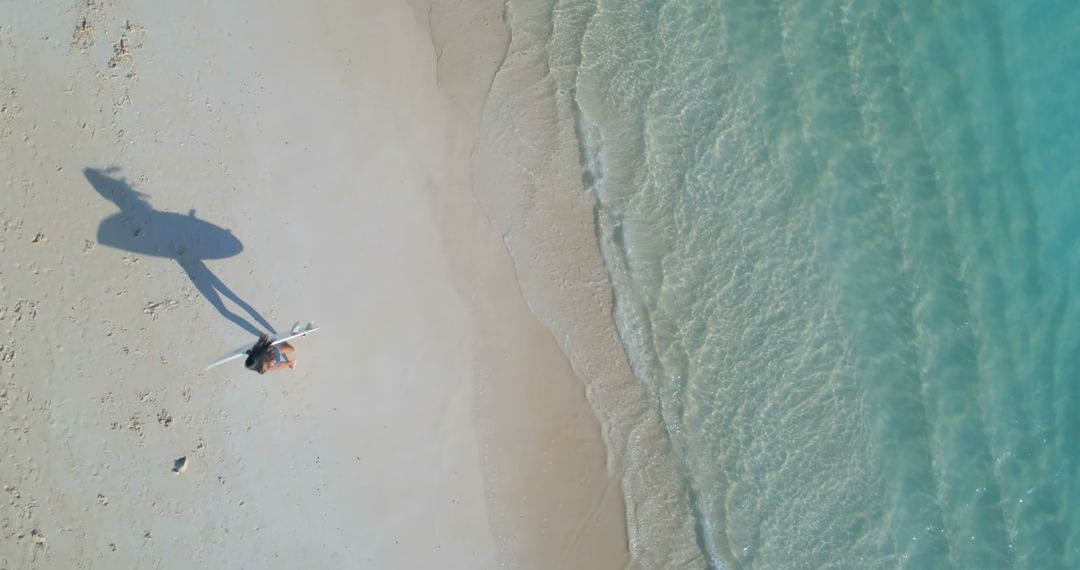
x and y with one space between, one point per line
40 238
121 52
89 12
38 537
83 37
180 465
102 499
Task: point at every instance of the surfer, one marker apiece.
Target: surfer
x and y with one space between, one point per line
265 355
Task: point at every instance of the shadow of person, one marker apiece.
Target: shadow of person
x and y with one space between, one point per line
141 229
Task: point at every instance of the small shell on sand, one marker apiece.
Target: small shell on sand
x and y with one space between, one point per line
180 465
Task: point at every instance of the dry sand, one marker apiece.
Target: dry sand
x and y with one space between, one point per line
433 422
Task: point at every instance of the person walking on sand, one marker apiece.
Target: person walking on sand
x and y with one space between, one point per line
266 356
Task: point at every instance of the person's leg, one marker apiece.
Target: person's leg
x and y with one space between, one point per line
284 363
286 349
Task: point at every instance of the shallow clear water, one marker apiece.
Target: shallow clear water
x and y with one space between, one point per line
844 241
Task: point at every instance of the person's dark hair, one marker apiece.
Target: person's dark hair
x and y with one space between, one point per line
258 353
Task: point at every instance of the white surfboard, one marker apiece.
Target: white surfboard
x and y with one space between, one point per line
277 339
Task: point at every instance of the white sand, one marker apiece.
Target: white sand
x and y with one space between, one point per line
432 423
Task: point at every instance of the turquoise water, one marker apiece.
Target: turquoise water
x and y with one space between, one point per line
844 238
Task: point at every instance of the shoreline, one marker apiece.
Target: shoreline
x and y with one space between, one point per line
532 141
326 147
552 317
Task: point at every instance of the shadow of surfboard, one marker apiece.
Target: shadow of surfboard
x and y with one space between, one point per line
141 229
